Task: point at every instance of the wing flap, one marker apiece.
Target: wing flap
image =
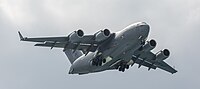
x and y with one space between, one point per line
45 39
74 46
145 63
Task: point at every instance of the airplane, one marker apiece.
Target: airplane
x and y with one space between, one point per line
108 51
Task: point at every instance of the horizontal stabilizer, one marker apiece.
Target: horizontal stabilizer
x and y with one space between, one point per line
73 54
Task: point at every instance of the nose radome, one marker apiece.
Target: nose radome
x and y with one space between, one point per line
145 26
143 23
144 29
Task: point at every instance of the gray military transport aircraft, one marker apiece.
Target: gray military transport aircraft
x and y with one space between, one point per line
108 51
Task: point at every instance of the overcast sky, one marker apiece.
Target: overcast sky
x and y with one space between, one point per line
174 25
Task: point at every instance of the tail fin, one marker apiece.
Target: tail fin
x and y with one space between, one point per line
73 55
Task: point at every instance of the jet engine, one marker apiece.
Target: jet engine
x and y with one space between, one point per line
76 36
162 55
149 45
102 35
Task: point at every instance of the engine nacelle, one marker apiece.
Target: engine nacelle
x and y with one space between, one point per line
102 35
149 45
162 55
76 36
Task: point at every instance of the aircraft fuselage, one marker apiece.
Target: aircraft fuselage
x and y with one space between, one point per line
121 48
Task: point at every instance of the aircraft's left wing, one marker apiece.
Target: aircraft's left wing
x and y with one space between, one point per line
42 39
86 39
76 41
68 45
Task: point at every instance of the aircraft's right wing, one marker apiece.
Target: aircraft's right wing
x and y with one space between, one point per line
163 65
152 61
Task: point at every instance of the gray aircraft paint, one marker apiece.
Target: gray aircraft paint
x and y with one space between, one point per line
174 25
106 51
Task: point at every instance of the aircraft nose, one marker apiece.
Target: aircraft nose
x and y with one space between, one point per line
144 26
143 23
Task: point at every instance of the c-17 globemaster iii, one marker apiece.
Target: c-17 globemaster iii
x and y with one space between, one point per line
108 51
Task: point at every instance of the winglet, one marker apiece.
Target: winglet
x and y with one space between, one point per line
21 37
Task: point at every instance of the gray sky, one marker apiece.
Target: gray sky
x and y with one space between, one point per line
174 25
